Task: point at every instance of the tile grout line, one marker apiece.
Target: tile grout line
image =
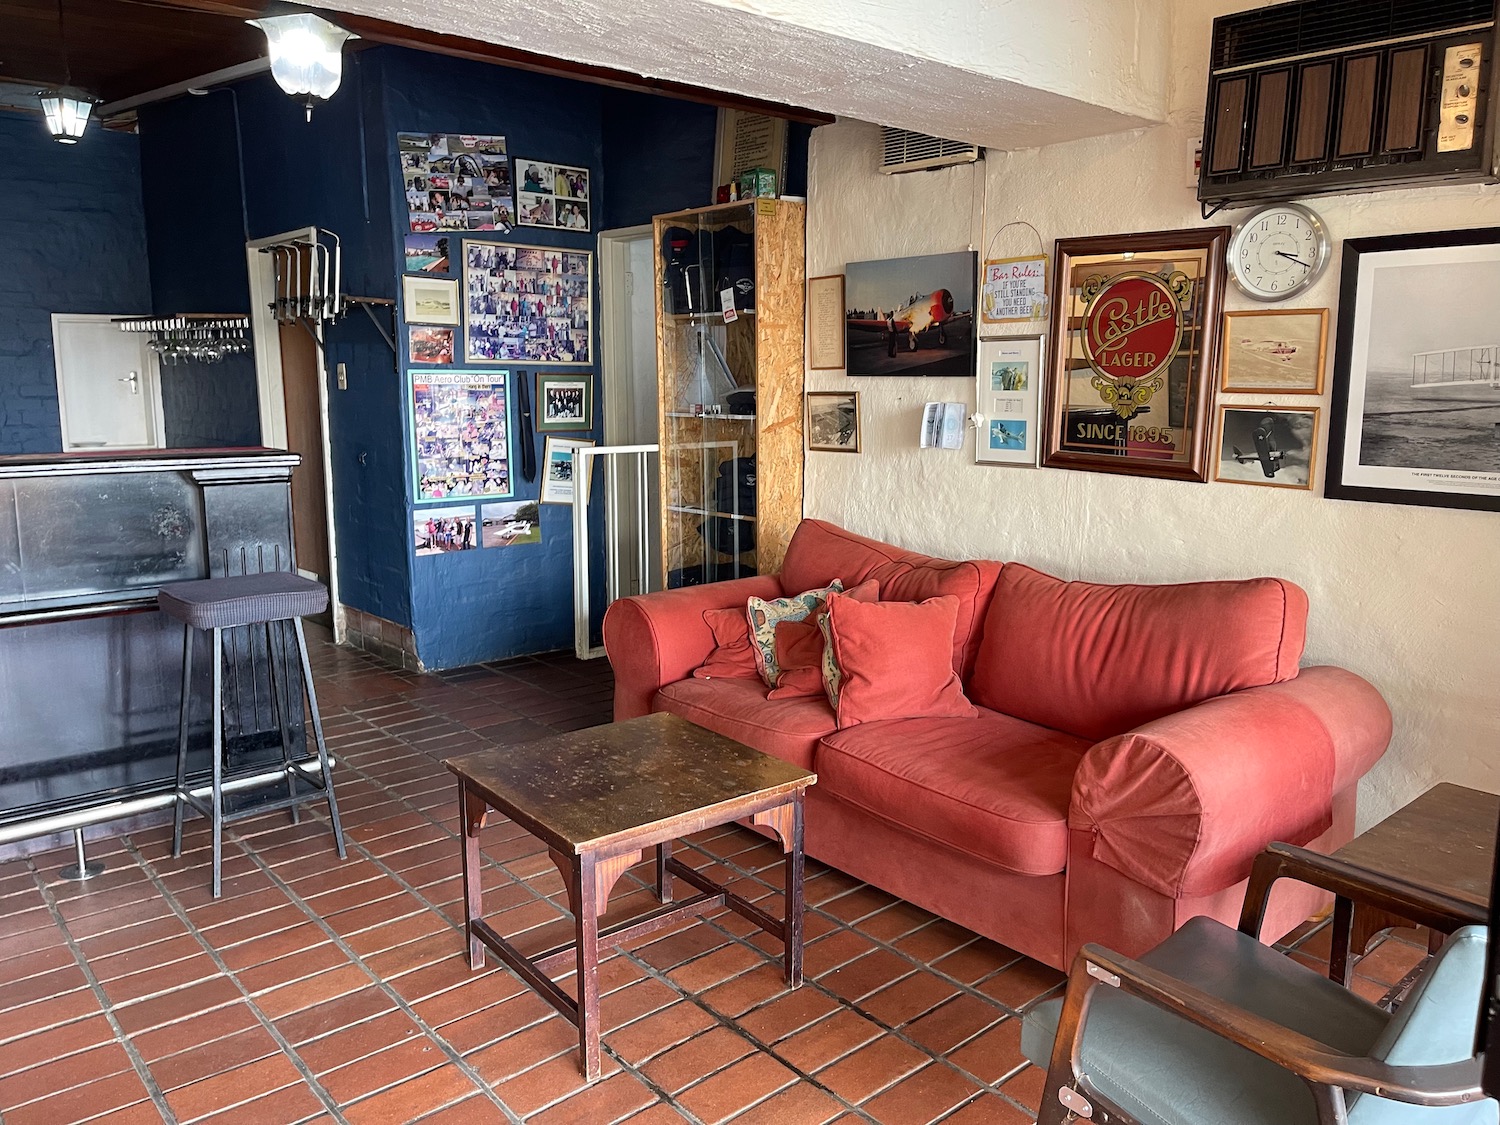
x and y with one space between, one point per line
143 1072
264 1020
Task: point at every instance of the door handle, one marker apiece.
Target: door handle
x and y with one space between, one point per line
134 380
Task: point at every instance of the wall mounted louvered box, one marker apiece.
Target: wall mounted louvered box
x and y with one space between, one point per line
1321 96
903 150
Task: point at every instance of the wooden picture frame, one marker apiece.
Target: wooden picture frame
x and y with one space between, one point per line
1133 353
833 421
1268 446
1007 390
1416 393
825 323
564 402
1274 351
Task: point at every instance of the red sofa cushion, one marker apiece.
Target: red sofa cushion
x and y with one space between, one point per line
992 786
732 657
895 660
799 653
1099 660
739 709
820 552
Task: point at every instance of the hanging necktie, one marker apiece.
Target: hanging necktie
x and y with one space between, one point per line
528 442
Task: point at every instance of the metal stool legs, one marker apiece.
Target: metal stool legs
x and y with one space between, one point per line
282 696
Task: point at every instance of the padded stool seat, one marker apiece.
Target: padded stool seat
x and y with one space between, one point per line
246 599
275 601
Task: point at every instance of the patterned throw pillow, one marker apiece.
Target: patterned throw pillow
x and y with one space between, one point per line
763 615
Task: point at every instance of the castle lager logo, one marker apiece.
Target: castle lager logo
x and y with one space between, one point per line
1132 326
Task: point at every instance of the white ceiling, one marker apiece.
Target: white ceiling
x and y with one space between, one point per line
1006 74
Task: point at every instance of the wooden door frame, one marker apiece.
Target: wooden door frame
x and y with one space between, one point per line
271 390
150 377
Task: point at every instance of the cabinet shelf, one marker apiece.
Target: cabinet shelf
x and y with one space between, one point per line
710 417
687 511
710 317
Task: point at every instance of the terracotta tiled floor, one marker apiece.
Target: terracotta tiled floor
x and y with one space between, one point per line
323 991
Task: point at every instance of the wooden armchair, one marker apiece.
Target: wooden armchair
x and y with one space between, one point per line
1212 1027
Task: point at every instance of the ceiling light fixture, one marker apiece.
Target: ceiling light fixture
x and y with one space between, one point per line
67 113
307 55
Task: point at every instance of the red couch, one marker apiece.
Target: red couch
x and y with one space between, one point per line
1136 746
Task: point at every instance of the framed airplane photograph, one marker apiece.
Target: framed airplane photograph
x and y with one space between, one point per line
1274 351
1274 446
911 316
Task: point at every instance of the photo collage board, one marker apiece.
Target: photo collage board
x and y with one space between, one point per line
456 181
552 195
469 299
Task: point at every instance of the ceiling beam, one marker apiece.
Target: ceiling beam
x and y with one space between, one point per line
399 35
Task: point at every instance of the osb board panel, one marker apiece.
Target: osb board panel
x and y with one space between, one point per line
780 288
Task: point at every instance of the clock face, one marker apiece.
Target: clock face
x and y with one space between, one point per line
1278 251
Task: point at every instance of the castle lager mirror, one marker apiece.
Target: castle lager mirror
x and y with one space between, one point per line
1134 352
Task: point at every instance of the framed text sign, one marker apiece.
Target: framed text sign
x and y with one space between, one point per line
1134 352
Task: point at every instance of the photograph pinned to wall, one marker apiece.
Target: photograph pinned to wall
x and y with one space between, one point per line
1275 446
1416 386
428 253
564 402
456 181
1274 351
1006 395
833 421
560 474
517 524
1014 290
429 300
526 304
1133 353
911 316
460 433
552 195
426 344
437 531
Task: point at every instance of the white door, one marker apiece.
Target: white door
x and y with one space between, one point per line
108 393
628 309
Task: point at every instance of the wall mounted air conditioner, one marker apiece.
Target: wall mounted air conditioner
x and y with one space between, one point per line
1320 96
905 151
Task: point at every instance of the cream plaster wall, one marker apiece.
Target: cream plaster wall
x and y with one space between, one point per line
1408 597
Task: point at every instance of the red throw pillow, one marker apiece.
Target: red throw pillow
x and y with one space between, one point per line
799 652
733 659
895 660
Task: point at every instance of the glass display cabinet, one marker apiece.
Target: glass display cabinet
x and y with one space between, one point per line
729 339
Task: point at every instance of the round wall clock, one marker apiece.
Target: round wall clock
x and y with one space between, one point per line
1279 250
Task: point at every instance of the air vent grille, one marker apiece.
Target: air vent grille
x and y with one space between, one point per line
903 150
1310 26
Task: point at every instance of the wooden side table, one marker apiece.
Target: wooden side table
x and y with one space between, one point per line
1444 841
597 798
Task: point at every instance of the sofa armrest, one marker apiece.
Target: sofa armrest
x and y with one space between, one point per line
1184 804
657 639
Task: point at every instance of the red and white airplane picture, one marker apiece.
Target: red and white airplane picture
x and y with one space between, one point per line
908 323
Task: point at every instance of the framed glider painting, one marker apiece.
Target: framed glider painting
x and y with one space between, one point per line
1134 353
1416 392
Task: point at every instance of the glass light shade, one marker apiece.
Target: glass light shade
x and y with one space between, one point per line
67 116
307 53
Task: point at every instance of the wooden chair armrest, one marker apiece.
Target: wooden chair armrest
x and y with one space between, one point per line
1395 896
1317 1063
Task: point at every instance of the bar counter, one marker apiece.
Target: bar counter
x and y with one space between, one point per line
90 672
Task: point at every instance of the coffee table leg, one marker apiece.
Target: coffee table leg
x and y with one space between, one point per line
586 921
471 809
792 953
663 878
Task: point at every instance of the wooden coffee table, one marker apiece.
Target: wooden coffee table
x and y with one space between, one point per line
1443 841
597 798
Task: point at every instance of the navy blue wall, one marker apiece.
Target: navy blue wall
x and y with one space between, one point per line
75 241
486 604
658 154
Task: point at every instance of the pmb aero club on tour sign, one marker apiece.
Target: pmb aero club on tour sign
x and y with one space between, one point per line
1134 349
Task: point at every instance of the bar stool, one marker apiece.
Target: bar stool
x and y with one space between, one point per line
213 605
